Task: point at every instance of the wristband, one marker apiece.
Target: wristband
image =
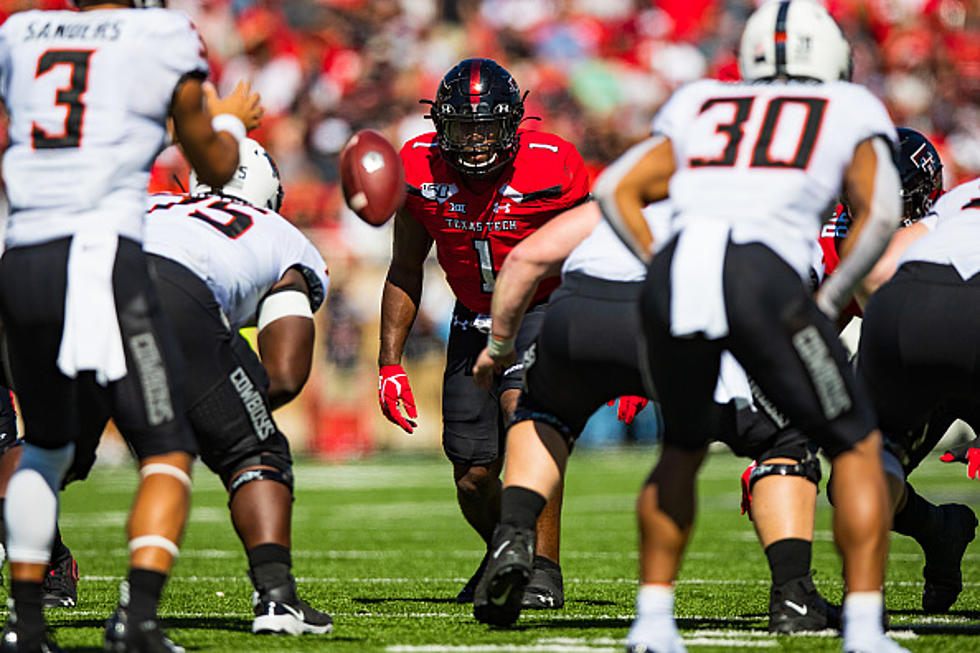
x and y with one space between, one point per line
499 347
226 122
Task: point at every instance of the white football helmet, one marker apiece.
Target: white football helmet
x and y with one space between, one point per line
256 181
795 38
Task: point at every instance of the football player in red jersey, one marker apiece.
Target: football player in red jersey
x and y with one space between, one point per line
477 186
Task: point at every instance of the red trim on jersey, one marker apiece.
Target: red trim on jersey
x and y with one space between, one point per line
475 77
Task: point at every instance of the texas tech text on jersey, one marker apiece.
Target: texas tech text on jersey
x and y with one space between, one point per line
475 224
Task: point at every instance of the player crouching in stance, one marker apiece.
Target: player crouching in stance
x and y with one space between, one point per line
733 277
225 259
476 187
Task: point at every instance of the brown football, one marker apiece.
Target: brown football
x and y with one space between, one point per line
372 176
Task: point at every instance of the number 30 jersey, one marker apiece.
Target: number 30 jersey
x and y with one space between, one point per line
88 95
240 251
475 225
766 158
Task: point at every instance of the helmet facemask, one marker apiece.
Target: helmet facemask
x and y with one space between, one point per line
477 110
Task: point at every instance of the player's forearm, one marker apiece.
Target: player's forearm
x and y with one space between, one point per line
286 349
399 307
512 293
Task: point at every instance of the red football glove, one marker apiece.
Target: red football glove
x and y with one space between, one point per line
968 453
746 494
393 388
629 408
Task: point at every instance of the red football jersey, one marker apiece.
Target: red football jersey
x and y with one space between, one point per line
476 224
832 235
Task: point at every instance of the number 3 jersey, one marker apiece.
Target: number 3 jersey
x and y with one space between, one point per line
88 95
475 226
766 159
240 251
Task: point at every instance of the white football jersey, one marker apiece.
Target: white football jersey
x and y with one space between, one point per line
240 251
766 158
955 223
88 95
603 255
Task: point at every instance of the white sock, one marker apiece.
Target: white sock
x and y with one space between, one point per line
862 620
654 625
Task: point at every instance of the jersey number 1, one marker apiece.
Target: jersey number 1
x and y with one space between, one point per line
70 96
485 256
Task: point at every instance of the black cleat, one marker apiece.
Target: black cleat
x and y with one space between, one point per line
280 611
497 600
14 641
545 590
942 573
466 594
60 586
796 606
125 636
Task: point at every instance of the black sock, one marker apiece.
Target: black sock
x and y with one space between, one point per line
27 605
145 588
59 552
540 562
789 559
915 519
520 507
270 565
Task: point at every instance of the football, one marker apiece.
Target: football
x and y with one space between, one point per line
372 177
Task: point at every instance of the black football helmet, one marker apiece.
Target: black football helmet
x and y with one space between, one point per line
476 113
922 174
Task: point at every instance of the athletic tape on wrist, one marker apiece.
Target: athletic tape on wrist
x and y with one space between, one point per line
226 122
169 470
283 304
499 347
159 541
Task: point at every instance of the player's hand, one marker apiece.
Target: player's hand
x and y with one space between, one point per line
393 388
968 453
629 407
241 102
487 367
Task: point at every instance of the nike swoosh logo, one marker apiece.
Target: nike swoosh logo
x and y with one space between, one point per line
500 549
802 609
296 613
499 601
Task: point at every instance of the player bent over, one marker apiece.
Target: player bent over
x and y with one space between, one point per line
88 100
942 531
916 358
733 278
477 187
225 259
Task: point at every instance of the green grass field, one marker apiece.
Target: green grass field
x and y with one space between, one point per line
381 546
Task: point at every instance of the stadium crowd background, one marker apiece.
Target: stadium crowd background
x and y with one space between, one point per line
597 71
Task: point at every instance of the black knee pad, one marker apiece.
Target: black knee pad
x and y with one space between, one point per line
808 468
283 473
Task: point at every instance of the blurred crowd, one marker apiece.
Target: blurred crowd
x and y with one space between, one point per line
597 70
